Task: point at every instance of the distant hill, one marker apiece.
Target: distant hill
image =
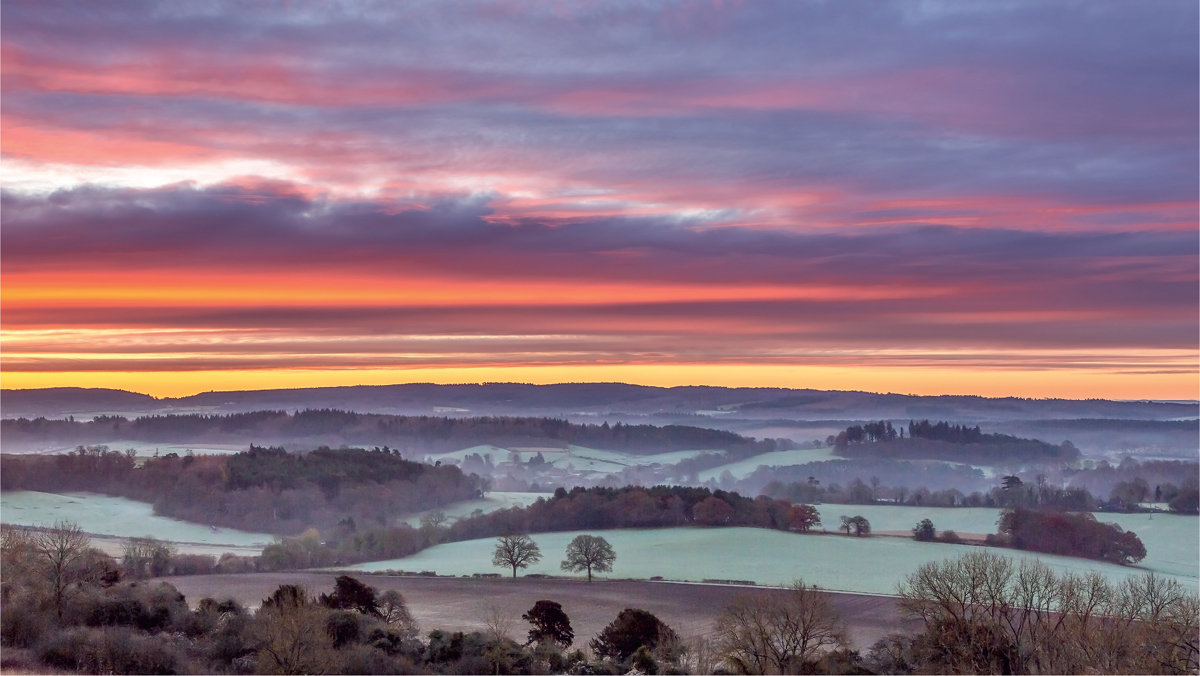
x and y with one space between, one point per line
572 400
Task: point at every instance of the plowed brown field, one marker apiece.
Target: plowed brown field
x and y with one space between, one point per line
460 604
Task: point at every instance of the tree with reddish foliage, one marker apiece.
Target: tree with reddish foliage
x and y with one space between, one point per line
1070 534
712 511
804 518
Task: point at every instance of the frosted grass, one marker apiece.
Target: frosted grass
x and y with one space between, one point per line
146 449
594 462
1172 540
119 517
494 501
873 565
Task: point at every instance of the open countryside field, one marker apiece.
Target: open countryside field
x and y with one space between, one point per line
594 463
743 468
146 449
119 517
873 565
1172 540
495 500
461 604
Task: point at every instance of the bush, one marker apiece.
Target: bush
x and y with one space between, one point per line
633 629
193 564
22 623
135 604
949 537
924 531
111 651
232 563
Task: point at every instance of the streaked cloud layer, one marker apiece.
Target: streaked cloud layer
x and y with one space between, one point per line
991 198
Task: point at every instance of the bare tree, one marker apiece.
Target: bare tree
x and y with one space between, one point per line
61 549
517 551
394 612
292 634
147 557
778 633
499 623
983 614
589 552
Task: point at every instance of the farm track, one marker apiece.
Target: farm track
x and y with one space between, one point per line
460 604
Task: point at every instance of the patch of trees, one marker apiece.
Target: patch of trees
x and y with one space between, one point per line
835 479
983 614
943 441
93 620
1067 534
420 434
1132 481
578 509
797 632
630 507
263 489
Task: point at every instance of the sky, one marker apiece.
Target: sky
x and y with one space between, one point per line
995 198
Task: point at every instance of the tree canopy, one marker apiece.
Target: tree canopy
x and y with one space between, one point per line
589 552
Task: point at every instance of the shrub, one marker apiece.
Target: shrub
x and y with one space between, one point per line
22 623
193 564
113 650
232 563
148 607
633 629
949 537
924 531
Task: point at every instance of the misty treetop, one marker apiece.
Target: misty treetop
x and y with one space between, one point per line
424 434
263 489
943 441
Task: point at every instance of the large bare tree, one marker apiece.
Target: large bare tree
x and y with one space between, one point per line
62 549
517 551
591 553
984 614
777 633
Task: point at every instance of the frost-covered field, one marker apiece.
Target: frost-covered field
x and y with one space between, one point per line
870 565
1172 541
596 462
743 468
106 515
146 449
494 501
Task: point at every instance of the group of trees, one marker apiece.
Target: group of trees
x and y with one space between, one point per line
1036 492
984 614
585 552
66 606
943 441
1067 534
262 489
414 434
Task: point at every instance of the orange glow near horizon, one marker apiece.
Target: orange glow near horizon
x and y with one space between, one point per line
925 381
222 198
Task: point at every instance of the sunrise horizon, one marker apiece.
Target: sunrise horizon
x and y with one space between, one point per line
888 197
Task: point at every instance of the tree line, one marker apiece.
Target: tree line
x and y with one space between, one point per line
578 509
412 434
1036 491
943 441
262 489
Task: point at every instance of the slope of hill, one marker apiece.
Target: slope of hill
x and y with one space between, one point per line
584 399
